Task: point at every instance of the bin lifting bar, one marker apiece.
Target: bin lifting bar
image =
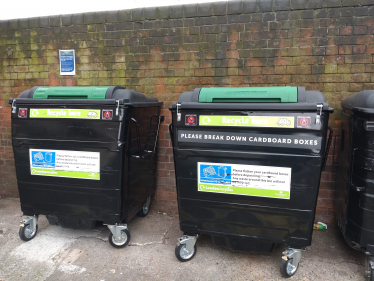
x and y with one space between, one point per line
319 113
179 115
14 107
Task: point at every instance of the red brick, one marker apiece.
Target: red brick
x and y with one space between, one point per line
256 70
325 202
347 30
254 62
280 69
267 70
370 49
371 29
332 50
364 39
306 32
326 176
369 68
256 79
233 54
345 50
279 79
360 49
360 30
283 61
234 37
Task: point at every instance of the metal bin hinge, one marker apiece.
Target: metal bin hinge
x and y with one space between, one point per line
319 113
117 109
14 107
179 115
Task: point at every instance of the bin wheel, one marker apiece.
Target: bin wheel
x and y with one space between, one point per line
145 209
26 234
124 241
287 268
368 270
371 277
182 254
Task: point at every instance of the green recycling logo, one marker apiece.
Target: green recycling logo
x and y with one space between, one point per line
64 113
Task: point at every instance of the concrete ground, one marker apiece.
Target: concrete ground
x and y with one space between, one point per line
67 254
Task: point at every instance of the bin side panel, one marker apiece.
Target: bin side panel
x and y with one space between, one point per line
360 217
284 220
357 164
66 192
84 202
343 148
304 177
211 152
279 225
96 199
141 158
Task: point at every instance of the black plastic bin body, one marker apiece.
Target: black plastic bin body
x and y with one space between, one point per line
295 146
125 161
354 195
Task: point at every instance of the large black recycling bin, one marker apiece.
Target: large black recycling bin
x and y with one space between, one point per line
248 163
354 195
85 155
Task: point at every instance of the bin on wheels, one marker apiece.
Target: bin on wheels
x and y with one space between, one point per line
354 194
85 155
248 163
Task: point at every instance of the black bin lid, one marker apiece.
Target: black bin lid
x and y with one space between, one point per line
361 101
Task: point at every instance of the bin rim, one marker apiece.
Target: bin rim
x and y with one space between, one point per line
253 106
85 102
63 94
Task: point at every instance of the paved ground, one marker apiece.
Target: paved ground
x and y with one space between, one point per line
66 254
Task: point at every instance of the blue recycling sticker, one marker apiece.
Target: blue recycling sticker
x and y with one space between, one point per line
215 174
67 61
43 159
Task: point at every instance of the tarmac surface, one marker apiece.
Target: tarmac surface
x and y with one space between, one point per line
66 254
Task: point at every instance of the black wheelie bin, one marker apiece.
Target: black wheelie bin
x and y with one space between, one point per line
248 163
354 194
85 155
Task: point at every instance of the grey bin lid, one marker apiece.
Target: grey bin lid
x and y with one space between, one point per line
361 101
86 95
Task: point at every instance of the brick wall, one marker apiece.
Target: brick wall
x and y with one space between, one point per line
324 45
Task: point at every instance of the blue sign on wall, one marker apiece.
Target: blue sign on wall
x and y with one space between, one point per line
67 62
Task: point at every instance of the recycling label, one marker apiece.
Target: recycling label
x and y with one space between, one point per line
64 113
65 163
248 121
253 139
249 180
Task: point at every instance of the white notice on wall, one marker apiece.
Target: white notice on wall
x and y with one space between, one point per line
67 62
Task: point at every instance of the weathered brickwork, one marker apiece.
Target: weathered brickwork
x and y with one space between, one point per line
324 45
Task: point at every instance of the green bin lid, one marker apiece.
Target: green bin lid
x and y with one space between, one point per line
70 92
285 94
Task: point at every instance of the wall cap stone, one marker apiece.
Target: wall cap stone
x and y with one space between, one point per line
218 8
